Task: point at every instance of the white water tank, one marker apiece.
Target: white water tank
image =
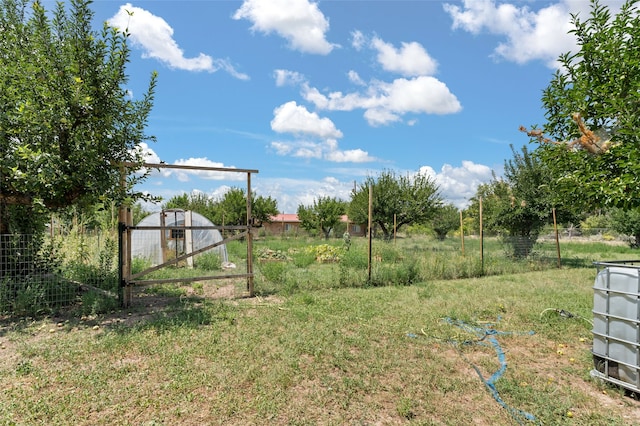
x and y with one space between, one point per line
616 323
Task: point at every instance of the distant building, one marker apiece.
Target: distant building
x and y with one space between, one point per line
283 223
288 223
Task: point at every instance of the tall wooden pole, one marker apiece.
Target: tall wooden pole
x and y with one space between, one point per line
481 240
250 288
122 244
555 227
370 229
128 289
462 232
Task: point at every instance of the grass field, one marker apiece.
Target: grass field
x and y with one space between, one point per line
306 352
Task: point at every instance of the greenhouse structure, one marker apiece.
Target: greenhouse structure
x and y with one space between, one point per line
174 233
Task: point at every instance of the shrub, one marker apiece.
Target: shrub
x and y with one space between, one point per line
139 264
273 272
94 303
303 259
354 259
208 261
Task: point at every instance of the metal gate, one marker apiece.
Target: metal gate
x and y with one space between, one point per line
128 280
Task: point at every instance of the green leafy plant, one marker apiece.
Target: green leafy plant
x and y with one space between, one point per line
274 272
208 261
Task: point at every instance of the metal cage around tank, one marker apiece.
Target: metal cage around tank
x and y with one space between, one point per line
616 323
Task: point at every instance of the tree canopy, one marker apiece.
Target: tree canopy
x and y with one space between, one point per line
591 141
445 220
230 210
67 119
323 215
519 205
407 199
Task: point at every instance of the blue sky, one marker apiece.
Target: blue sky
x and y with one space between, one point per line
319 95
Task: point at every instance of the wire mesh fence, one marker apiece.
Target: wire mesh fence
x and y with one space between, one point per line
41 274
30 279
79 268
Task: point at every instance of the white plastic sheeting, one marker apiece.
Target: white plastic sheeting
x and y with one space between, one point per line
148 243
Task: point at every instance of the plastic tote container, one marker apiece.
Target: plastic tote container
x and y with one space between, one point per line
616 323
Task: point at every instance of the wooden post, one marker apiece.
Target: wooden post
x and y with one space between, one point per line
481 239
128 290
121 256
188 236
124 249
250 288
163 236
369 226
555 227
124 242
462 232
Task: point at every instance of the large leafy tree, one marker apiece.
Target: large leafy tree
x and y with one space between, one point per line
627 221
232 208
591 140
411 199
491 195
196 201
324 215
67 120
529 204
445 220
520 204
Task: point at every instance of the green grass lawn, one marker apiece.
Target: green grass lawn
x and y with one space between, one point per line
312 349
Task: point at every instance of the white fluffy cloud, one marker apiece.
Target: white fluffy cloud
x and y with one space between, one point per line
300 22
327 150
184 175
316 137
148 156
387 102
293 118
286 77
290 193
529 35
417 92
458 184
155 36
358 40
410 60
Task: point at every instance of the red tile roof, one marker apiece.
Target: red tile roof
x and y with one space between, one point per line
293 218
285 217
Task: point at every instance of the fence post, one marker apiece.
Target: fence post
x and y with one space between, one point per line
250 288
125 219
555 227
462 232
481 239
369 226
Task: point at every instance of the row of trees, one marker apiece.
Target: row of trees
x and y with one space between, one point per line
229 210
396 201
